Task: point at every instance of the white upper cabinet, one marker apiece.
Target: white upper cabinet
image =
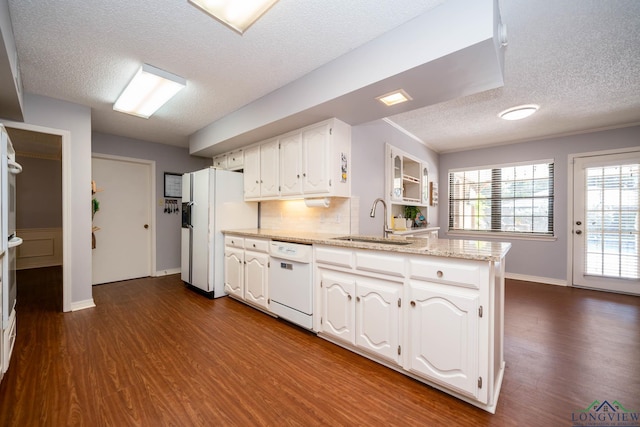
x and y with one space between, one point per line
311 162
406 184
291 164
252 173
269 162
316 152
261 171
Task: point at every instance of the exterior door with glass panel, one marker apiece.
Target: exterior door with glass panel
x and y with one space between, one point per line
605 222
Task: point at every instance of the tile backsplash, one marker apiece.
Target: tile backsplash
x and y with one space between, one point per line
340 217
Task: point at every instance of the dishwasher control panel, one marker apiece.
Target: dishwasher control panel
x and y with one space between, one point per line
291 251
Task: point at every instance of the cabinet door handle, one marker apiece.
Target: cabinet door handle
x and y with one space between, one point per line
357 299
257 182
440 273
304 174
254 245
349 297
413 303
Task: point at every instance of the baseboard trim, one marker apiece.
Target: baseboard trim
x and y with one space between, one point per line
167 272
537 279
81 305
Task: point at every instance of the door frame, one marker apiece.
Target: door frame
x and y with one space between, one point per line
67 212
152 199
570 194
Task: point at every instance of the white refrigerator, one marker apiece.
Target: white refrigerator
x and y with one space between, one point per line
212 201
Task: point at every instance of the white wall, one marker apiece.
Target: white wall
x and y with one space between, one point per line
367 168
537 259
76 119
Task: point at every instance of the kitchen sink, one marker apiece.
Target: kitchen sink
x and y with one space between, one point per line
376 240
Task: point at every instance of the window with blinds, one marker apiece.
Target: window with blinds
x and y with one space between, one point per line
516 198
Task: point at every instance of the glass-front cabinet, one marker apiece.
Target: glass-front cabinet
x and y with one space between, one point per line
407 191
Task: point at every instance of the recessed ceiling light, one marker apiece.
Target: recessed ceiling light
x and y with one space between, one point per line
519 112
149 90
238 15
395 97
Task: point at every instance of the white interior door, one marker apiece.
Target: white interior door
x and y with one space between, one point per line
123 241
605 222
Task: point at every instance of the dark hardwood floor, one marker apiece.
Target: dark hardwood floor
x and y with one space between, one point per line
153 353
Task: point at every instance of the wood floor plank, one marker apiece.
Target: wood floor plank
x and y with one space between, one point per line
154 353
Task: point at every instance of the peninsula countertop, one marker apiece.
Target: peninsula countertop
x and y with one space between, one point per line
478 250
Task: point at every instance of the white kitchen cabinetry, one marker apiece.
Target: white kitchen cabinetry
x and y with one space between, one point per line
291 164
435 318
261 164
407 184
233 160
378 317
443 336
359 310
252 173
311 162
220 161
234 266
256 272
338 308
246 269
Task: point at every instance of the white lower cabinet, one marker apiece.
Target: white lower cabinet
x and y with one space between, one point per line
246 263
234 271
437 319
378 318
443 335
362 311
255 278
338 305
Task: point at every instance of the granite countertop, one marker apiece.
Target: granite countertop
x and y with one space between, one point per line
478 250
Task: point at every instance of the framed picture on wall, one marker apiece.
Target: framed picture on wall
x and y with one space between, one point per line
173 185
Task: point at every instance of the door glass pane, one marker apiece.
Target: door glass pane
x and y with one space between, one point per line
612 215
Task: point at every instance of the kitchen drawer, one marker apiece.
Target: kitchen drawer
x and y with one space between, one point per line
466 273
391 265
333 256
258 245
234 241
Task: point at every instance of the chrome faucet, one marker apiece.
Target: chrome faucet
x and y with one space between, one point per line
372 214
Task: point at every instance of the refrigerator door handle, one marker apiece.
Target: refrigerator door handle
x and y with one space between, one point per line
14 167
14 242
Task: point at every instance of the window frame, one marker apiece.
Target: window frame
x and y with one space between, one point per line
495 185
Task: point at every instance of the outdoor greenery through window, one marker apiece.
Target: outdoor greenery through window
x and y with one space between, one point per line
507 198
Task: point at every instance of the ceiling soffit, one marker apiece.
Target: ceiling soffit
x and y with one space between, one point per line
448 52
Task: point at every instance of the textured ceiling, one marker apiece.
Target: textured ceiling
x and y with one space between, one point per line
578 59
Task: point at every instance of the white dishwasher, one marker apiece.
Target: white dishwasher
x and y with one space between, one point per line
291 282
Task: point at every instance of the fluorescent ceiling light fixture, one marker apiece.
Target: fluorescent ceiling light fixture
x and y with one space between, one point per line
395 97
235 14
149 90
519 112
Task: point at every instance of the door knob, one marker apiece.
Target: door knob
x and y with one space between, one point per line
146 226
578 231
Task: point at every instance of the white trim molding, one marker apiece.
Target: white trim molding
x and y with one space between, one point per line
537 279
167 272
81 305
